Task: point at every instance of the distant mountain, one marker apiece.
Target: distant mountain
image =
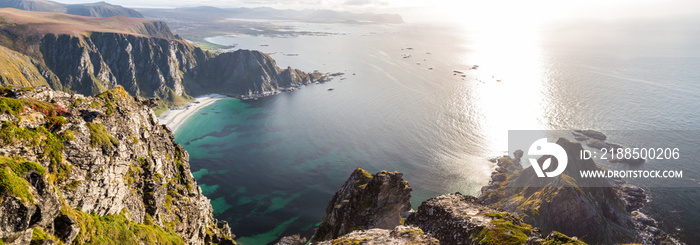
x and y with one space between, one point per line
99 9
307 15
32 22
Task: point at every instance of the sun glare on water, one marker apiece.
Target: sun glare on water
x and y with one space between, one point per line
510 91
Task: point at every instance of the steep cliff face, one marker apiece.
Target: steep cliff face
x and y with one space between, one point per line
366 201
90 55
18 70
77 63
248 73
87 169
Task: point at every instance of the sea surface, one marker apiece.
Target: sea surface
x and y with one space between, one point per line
435 102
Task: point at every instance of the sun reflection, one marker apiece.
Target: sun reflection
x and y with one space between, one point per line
510 90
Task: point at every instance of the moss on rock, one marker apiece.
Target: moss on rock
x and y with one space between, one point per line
100 137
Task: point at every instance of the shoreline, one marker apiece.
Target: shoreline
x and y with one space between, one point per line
173 118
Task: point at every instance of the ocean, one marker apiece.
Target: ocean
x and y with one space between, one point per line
434 102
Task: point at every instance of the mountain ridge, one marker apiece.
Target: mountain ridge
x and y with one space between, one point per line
97 9
308 15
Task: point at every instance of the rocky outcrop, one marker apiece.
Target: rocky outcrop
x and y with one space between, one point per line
364 202
292 240
353 217
591 208
112 164
400 235
250 74
458 219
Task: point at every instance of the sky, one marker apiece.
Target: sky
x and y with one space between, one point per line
531 12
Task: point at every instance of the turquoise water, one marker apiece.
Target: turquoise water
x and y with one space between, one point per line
410 102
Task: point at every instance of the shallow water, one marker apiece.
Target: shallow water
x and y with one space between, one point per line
271 165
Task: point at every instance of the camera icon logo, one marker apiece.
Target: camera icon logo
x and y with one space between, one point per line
541 148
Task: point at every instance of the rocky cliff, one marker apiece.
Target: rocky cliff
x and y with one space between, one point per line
607 213
366 201
249 74
91 55
368 209
100 169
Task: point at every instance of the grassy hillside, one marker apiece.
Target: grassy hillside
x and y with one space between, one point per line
17 69
40 23
99 9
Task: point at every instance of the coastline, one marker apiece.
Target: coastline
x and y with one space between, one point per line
173 118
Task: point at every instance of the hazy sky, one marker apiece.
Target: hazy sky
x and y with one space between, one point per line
492 11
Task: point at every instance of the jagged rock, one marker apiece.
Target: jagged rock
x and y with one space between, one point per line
250 74
634 197
518 154
150 102
65 228
592 134
400 235
292 240
15 217
365 201
458 219
600 144
21 238
120 162
594 209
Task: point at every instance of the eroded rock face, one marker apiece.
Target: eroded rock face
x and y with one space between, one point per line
446 219
459 219
599 214
105 155
366 201
155 64
145 66
17 215
292 240
400 235
248 73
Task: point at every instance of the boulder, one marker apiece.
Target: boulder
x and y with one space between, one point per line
65 228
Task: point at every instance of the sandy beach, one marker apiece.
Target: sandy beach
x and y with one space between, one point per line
173 118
